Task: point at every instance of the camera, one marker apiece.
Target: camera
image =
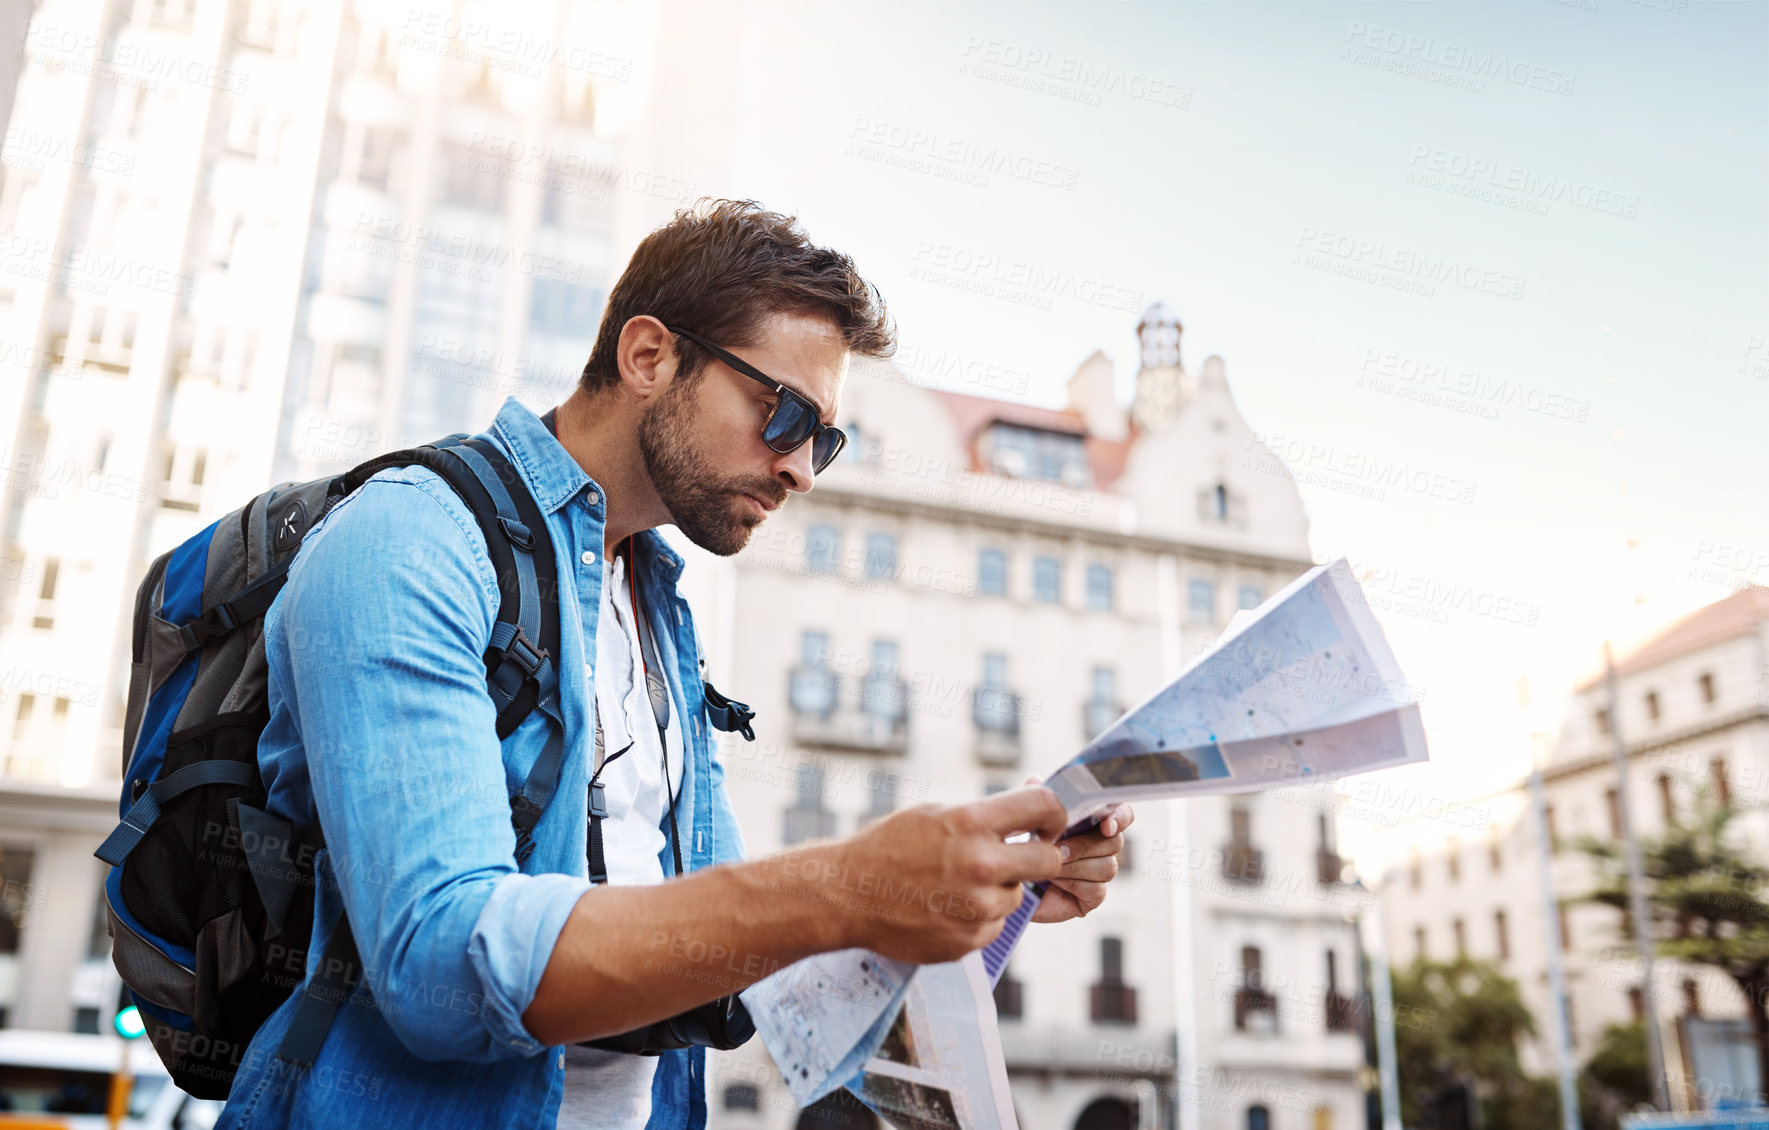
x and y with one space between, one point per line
720 1025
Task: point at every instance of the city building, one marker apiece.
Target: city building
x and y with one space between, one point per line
977 588
245 241
1694 718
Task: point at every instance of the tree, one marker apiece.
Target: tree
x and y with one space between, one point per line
1613 1081
1456 1026
1708 901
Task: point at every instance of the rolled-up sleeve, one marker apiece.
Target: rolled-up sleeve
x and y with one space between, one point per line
380 634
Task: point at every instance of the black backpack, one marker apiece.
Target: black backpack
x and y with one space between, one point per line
210 897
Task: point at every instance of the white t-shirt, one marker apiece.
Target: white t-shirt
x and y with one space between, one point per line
612 1090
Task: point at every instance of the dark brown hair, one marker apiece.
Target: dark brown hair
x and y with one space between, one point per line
720 268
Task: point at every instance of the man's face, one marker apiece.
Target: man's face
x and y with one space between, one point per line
702 439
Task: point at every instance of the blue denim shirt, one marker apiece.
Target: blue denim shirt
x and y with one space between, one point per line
381 729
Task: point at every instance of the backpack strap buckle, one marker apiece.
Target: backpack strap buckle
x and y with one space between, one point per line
728 714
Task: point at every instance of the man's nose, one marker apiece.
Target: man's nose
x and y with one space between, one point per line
794 468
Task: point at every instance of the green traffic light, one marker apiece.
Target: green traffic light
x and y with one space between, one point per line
128 1022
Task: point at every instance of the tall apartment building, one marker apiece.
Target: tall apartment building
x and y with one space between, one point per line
1694 716
973 592
244 241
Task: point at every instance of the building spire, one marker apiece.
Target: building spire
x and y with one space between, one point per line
1161 383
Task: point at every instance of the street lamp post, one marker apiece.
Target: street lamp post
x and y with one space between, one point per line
1636 888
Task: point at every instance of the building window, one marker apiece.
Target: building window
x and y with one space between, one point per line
1453 856
563 309
1201 601
807 818
1494 856
742 1096
992 572
45 613
1101 708
1502 935
1419 943
1047 580
1553 832
1667 803
994 707
21 719
1459 931
1256 1010
1636 1003
1415 871
1248 597
1241 861
1033 453
1010 996
881 556
16 896
821 545
1327 864
1321 1118
1722 786
1565 921
1602 720
1691 997
1099 587
1652 706
813 685
1612 803
1705 683
881 792
1111 1000
1258 1118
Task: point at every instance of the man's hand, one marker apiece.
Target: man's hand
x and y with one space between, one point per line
1090 862
932 883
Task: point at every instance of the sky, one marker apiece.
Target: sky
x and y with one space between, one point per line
1505 263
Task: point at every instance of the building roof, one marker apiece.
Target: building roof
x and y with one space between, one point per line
973 414
1737 615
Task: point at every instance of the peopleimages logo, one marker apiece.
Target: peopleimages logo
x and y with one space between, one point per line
1455 57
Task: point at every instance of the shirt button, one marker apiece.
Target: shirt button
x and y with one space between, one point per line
592 498
589 557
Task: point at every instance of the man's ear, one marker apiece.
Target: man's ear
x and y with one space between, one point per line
646 357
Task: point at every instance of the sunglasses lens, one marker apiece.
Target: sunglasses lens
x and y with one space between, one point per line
791 424
826 447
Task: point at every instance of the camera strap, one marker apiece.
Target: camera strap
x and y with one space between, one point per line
657 690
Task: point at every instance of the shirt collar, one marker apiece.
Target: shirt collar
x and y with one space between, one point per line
555 478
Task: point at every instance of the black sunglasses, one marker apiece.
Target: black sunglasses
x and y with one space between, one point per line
794 419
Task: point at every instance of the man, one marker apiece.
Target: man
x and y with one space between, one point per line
705 403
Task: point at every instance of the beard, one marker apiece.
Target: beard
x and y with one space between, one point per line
712 512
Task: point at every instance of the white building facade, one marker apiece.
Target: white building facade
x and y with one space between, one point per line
245 241
1694 717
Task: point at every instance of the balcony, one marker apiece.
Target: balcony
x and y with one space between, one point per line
1343 1014
1327 867
870 714
1243 863
996 712
1063 1049
1256 1011
1111 1003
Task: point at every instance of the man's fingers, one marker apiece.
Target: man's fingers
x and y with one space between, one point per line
1117 820
1030 808
1030 862
1097 869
